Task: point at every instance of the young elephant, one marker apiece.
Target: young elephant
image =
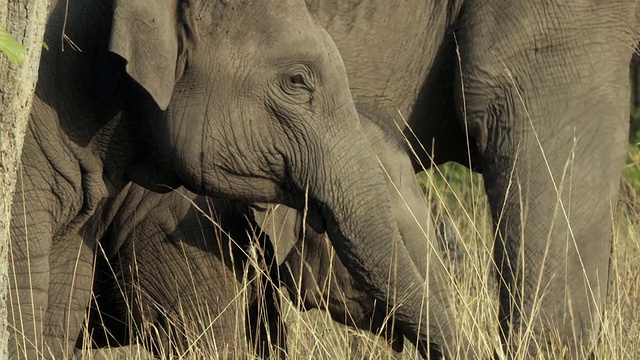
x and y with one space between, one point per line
179 266
245 100
171 260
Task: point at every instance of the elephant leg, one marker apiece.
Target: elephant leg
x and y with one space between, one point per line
265 326
184 298
107 323
548 109
266 330
552 250
450 244
69 295
28 279
27 306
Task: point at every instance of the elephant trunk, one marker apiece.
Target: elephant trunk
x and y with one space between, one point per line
353 198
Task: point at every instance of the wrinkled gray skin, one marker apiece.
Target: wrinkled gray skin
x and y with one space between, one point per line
543 89
174 272
246 100
179 268
316 278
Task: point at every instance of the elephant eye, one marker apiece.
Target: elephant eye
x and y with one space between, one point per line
296 79
298 82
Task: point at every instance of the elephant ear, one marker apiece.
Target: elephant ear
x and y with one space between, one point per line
144 33
283 225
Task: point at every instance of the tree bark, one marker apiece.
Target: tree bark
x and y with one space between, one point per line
634 80
25 21
635 76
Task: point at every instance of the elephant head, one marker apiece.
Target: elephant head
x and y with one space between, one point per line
249 100
237 99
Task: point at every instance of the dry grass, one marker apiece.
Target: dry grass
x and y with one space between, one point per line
458 195
314 335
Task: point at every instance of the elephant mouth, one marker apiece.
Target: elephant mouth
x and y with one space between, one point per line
317 216
317 222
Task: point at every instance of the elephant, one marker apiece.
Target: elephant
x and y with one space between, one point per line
166 261
318 280
240 100
533 95
178 267
177 285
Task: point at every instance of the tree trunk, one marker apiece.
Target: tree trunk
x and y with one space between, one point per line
25 21
633 81
635 99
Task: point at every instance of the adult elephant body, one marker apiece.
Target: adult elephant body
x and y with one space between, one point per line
243 99
540 89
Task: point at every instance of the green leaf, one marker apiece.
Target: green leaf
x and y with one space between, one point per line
45 46
11 48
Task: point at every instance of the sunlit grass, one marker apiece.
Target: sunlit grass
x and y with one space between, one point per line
455 194
313 335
